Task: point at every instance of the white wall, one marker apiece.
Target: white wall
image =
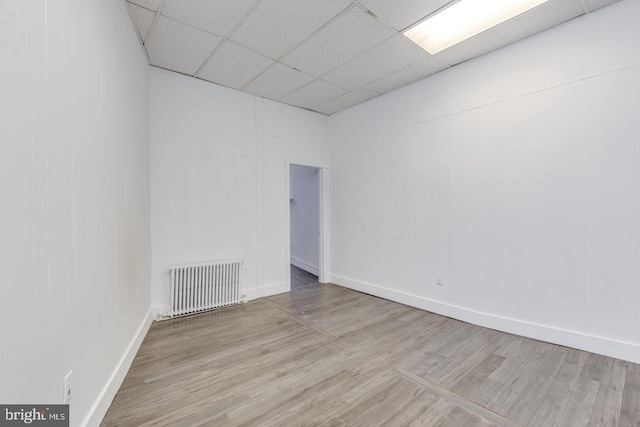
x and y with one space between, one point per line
208 201
74 182
516 176
304 217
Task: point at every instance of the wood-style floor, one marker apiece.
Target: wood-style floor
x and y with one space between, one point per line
323 355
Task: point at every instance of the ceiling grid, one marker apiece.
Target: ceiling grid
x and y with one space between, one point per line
322 55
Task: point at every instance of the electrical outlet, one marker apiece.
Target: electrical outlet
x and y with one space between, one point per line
67 386
245 271
439 280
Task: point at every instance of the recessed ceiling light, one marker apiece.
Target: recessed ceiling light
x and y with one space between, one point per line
465 19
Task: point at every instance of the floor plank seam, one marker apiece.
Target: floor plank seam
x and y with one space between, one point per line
595 394
301 320
325 355
469 405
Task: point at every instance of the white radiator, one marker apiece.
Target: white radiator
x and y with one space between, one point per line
201 287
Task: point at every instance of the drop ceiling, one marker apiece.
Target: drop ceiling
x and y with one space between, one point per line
322 55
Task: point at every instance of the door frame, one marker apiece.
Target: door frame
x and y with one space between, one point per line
323 218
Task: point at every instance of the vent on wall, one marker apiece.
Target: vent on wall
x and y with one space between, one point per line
201 287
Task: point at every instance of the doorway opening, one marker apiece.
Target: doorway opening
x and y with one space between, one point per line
307 191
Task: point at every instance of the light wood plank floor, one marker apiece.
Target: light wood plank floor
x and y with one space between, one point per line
323 355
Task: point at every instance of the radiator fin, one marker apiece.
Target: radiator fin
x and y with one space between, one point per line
201 287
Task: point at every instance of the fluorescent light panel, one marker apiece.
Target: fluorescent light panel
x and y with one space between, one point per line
463 20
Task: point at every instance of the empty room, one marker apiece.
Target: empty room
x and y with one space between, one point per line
320 213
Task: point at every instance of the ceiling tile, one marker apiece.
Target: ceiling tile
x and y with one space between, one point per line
218 17
142 18
149 4
234 66
343 39
345 101
316 92
391 55
407 75
402 14
347 50
597 4
536 20
277 26
277 81
179 47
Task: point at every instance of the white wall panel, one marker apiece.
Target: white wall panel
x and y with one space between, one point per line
612 176
515 175
203 198
416 249
354 208
612 37
500 189
208 201
74 162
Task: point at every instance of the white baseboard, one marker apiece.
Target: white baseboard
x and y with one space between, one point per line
595 344
102 403
265 291
304 265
